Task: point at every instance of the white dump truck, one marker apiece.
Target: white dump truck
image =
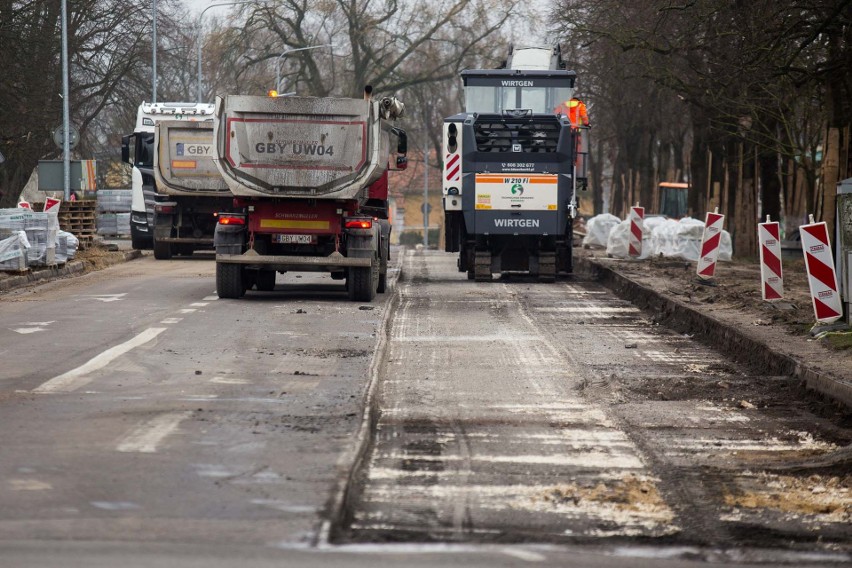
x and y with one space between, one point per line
190 190
137 149
309 176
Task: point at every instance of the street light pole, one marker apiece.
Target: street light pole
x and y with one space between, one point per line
154 54
66 122
287 52
198 25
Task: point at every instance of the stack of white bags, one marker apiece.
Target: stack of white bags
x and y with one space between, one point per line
668 238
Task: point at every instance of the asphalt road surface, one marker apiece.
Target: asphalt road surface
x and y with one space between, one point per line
144 422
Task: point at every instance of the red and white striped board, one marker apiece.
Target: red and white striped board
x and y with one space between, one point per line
52 205
452 167
637 227
710 241
771 273
822 278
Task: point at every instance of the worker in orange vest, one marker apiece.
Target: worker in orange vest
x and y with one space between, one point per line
575 109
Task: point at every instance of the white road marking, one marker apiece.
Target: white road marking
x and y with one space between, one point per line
229 381
210 298
115 505
526 555
105 297
199 304
171 320
34 326
28 330
187 310
147 436
29 485
76 378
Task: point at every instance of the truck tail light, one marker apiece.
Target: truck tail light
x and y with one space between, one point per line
159 208
229 220
359 224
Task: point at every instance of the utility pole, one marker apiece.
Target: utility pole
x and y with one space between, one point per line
66 122
425 187
154 55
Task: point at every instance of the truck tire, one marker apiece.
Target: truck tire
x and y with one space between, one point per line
162 251
229 280
383 272
265 280
362 283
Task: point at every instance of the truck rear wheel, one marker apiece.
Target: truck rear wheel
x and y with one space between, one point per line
383 271
229 280
362 283
265 280
162 251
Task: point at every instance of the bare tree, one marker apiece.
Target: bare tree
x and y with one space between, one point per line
109 60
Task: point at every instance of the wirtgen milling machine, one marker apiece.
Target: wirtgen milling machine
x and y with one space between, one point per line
512 166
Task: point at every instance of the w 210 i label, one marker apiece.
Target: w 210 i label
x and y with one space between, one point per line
513 193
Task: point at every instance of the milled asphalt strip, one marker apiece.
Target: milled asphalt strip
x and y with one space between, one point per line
350 462
76 378
722 335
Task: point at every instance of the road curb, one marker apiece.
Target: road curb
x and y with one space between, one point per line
351 461
56 272
746 348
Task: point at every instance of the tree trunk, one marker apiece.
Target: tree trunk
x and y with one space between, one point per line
770 185
831 169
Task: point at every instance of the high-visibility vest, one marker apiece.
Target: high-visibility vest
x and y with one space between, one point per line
577 113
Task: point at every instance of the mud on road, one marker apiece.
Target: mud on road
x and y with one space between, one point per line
526 412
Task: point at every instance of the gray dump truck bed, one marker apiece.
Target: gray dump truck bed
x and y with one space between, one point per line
184 162
300 147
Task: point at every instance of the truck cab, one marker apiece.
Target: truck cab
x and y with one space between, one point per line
137 150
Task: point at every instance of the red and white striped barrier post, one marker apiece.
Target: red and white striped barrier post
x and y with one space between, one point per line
637 227
771 273
822 278
710 241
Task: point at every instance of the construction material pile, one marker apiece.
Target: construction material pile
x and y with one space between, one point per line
113 212
31 239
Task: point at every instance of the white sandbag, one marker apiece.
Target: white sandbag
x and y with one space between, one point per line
682 239
617 246
663 238
598 229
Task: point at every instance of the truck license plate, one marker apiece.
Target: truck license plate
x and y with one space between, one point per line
295 239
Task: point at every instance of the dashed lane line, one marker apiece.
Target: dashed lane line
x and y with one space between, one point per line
76 378
147 436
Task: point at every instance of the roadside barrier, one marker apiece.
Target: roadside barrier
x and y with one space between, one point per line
771 272
710 241
822 278
637 227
